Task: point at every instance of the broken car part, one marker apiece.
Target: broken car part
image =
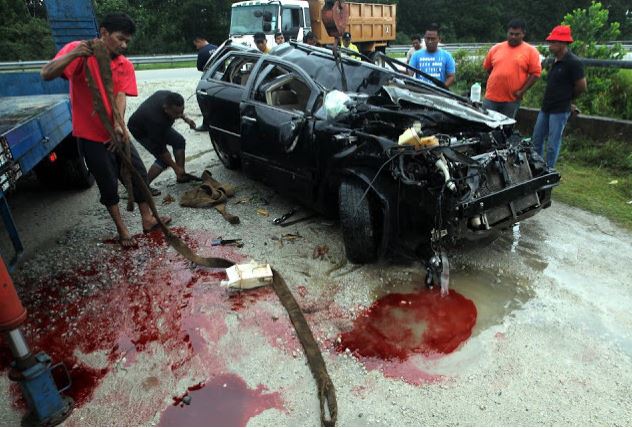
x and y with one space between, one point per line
230 242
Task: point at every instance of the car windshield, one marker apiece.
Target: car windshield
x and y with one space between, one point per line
249 19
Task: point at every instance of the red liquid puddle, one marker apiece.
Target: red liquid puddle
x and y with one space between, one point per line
224 401
399 326
122 304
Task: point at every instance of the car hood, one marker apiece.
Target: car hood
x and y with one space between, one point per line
450 106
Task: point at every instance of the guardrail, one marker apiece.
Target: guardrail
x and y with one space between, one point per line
453 47
395 49
154 59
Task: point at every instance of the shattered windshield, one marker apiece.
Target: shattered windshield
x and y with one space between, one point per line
249 19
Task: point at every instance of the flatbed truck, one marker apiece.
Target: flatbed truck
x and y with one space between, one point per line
36 126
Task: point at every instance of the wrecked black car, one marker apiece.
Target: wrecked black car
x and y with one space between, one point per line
404 164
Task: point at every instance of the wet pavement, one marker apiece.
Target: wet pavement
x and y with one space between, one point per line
536 329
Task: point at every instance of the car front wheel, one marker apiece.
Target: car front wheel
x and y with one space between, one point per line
358 220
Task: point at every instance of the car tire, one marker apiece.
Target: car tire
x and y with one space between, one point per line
227 159
357 220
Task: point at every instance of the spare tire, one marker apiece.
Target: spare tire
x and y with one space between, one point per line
358 222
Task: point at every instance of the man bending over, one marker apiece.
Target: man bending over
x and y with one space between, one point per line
151 125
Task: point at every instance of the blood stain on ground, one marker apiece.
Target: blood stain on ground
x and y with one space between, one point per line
225 400
242 299
123 302
397 326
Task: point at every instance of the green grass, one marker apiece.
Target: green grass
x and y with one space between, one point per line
164 65
597 177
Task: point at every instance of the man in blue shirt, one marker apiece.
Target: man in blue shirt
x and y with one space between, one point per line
432 60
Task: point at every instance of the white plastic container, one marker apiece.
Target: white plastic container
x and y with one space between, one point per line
475 93
248 276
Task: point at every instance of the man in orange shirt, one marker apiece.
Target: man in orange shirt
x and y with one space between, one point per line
513 67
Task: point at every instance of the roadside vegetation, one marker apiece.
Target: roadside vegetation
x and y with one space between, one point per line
597 177
609 90
164 65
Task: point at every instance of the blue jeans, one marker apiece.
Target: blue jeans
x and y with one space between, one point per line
549 126
509 108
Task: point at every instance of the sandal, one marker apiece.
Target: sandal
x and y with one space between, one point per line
166 220
128 242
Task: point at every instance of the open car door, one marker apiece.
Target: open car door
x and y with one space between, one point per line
278 147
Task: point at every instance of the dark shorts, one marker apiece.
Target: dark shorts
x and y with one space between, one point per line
106 168
170 138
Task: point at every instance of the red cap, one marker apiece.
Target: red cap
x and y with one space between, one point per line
561 33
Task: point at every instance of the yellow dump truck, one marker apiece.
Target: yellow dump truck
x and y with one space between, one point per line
372 26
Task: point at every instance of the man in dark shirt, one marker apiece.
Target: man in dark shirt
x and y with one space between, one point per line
151 125
566 81
205 49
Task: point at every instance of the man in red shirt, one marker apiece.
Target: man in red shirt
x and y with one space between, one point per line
116 31
513 67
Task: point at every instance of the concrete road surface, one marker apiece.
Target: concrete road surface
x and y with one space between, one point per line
537 328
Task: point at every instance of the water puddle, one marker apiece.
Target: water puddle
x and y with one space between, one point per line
409 330
494 292
226 400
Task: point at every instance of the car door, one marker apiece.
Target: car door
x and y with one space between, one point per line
219 93
278 147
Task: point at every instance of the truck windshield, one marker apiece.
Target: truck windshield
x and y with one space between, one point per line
249 19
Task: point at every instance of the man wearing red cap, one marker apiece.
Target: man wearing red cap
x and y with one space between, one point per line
565 82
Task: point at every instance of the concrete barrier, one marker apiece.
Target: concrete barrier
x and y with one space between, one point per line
596 128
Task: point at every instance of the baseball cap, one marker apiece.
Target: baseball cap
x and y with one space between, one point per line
561 33
346 35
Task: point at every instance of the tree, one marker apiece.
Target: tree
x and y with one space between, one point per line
22 36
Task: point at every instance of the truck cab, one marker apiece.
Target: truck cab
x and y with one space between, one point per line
372 25
292 17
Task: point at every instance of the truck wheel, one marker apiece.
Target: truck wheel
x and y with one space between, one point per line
357 219
77 175
67 170
230 161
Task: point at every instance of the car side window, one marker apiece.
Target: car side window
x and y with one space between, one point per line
282 88
234 69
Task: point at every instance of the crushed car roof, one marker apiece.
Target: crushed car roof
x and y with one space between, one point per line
364 77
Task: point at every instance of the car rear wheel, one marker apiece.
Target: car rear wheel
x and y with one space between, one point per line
229 160
357 219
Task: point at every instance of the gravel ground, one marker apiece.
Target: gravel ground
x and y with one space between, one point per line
552 343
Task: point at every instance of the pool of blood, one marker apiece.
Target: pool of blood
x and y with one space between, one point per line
224 400
400 325
124 302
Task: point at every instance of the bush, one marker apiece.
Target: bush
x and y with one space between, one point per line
615 156
469 70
